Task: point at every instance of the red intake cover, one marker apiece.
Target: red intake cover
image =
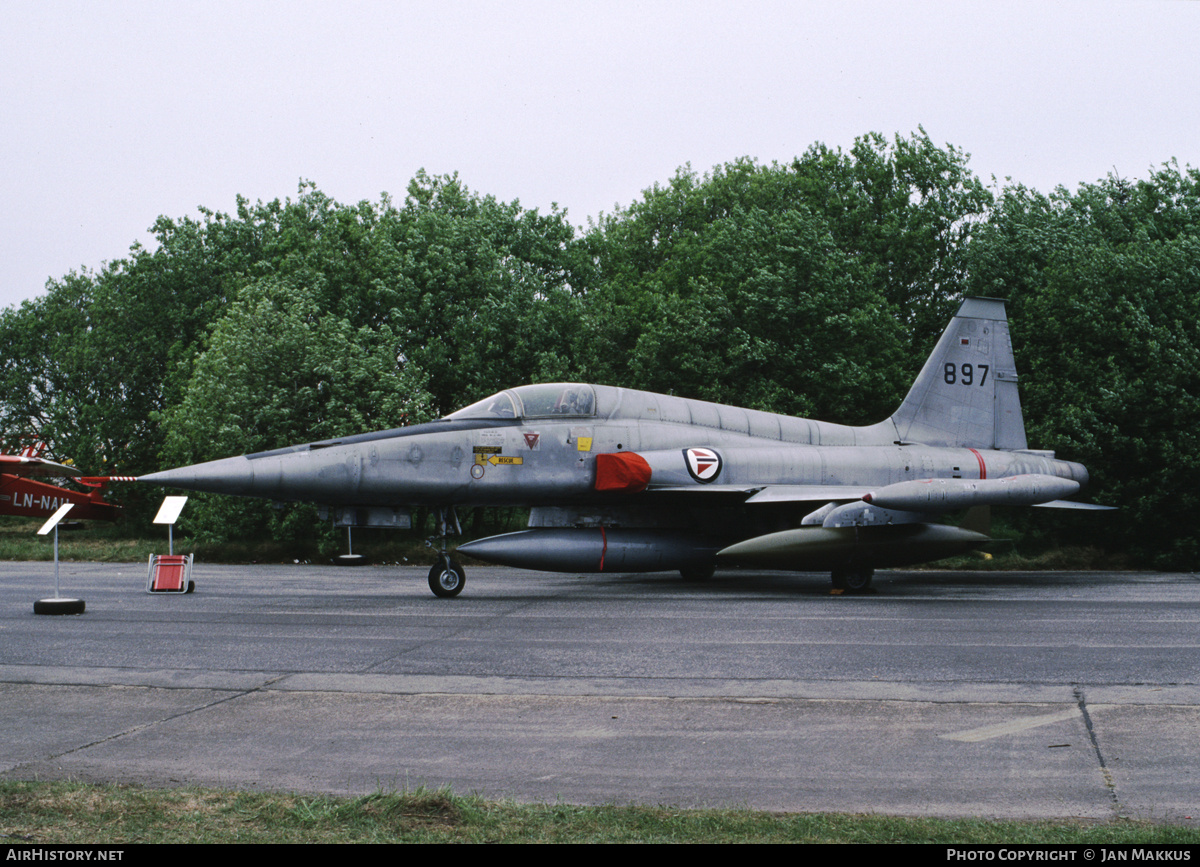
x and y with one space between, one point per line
622 471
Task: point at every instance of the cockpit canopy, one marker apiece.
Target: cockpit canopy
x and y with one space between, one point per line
557 400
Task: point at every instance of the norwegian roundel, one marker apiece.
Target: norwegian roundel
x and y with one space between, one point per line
703 464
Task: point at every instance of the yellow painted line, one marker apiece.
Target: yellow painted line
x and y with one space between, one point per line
1011 728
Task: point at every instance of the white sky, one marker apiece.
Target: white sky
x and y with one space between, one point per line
116 112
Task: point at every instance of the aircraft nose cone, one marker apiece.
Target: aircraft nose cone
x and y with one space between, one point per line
228 476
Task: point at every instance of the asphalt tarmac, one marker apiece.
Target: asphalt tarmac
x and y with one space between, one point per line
1036 695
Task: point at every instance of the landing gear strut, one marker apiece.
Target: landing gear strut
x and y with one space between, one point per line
446 578
853 579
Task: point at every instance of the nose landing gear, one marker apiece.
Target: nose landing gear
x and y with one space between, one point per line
446 578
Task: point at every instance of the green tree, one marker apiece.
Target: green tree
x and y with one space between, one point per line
772 318
482 293
280 370
478 292
908 208
1106 324
814 288
86 367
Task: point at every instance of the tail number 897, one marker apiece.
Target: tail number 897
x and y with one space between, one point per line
965 374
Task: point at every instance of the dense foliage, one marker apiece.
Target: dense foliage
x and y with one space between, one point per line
808 289
813 288
1104 289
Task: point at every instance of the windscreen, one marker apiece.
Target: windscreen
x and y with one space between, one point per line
497 406
569 400
541 401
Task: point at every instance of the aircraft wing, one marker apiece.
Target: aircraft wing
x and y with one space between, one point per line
701 489
17 465
758 494
922 495
809 494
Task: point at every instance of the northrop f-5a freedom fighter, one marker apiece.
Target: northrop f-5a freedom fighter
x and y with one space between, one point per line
627 481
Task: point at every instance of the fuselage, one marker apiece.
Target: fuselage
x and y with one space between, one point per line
529 446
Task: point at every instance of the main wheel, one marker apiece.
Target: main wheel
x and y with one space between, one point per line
853 579
446 578
58 606
697 574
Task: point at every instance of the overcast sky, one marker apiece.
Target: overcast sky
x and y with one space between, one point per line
117 112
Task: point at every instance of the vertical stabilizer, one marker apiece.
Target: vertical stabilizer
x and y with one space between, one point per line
966 394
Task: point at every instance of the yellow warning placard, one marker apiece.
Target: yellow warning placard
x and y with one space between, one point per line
497 460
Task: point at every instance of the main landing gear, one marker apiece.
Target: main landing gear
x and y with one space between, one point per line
853 579
446 578
698 574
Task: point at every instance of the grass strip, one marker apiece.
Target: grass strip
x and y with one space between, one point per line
65 812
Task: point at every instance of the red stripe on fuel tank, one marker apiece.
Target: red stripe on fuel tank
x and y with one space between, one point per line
603 546
982 466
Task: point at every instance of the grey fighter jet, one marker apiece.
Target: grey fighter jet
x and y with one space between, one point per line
627 481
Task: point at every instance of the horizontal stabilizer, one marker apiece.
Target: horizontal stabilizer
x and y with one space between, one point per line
1071 504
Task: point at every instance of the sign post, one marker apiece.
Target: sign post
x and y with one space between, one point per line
168 513
59 604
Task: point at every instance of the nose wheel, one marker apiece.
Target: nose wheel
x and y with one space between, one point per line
446 578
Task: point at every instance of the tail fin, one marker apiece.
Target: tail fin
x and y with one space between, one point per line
966 394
